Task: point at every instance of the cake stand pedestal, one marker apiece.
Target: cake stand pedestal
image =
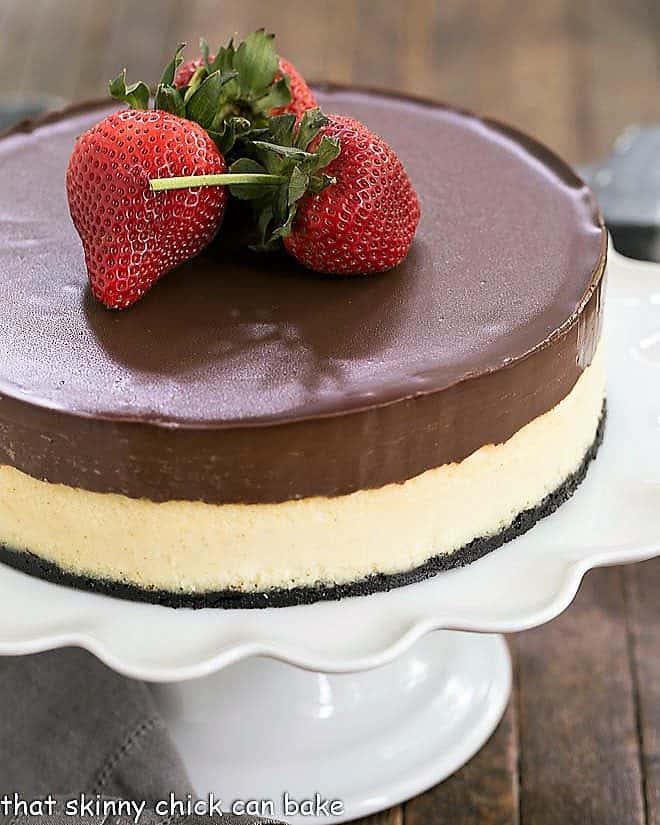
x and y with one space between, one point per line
365 741
358 701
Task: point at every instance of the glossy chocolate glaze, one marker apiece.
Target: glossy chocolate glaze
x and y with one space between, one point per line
242 378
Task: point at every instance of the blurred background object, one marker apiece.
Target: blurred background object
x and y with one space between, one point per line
627 185
14 108
572 73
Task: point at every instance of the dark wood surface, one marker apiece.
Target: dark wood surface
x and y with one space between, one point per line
580 742
572 73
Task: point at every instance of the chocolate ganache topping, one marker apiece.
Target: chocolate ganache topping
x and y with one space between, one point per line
243 378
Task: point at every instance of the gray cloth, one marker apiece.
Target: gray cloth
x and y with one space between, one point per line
69 726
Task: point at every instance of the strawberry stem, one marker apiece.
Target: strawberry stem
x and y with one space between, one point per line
227 179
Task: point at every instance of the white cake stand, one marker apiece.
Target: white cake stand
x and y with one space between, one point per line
377 708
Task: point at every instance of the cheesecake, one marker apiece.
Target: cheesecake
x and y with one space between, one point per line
252 435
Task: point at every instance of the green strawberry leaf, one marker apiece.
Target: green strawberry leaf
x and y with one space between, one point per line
328 149
195 82
282 129
284 228
232 129
264 211
204 49
202 106
256 61
136 95
317 183
311 124
224 59
286 152
169 99
279 95
247 192
298 185
167 78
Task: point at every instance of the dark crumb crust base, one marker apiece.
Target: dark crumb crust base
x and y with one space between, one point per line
281 597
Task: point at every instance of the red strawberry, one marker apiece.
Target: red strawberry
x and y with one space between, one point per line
186 70
302 97
366 221
132 236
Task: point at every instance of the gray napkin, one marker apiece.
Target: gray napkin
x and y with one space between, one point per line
69 726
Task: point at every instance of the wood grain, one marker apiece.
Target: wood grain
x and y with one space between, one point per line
642 590
392 817
572 73
580 755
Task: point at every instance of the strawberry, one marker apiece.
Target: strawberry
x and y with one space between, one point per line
186 70
243 83
367 220
131 235
335 194
331 190
302 97
346 206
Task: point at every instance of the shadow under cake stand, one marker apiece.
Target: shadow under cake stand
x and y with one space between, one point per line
358 701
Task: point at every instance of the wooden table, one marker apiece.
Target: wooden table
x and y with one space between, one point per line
580 742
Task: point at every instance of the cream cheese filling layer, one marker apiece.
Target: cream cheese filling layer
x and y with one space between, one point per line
195 547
